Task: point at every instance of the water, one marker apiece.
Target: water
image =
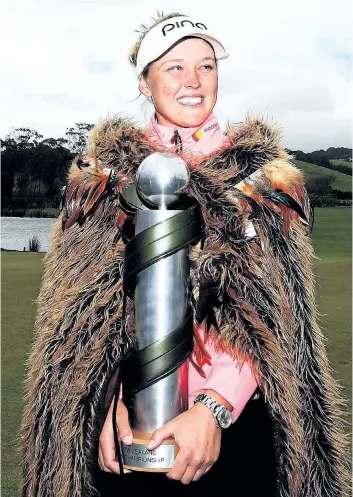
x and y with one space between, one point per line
16 232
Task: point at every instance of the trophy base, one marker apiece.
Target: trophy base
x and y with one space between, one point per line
138 458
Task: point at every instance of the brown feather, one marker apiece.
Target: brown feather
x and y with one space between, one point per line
76 208
94 195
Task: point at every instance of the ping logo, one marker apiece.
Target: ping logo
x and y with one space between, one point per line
181 24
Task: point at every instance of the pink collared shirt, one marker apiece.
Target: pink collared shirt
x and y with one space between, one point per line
224 375
202 140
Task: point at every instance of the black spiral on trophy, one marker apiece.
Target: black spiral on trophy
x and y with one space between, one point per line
157 276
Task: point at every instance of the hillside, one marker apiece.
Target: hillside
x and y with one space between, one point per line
337 162
342 181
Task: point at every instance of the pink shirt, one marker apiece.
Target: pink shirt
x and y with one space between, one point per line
224 375
202 140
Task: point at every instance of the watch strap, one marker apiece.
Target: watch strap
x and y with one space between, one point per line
212 404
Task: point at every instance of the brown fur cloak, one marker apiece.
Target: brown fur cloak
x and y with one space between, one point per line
267 312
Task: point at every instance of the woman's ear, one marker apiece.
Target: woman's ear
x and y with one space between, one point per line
144 88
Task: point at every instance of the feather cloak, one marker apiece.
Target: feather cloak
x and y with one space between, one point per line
263 300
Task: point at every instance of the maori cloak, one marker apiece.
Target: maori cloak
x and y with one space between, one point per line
260 291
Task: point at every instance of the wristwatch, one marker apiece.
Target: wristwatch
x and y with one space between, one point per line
222 415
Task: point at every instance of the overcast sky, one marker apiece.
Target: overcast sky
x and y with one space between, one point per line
66 61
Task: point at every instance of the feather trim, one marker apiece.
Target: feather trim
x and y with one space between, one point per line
276 185
86 188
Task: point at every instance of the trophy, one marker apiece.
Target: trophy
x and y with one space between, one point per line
157 277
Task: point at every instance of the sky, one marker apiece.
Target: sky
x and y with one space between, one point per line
66 61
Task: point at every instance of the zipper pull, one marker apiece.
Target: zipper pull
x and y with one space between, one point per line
176 139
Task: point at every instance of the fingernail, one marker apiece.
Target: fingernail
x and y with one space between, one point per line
127 439
127 471
150 445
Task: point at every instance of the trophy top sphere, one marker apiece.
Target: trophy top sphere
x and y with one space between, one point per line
160 177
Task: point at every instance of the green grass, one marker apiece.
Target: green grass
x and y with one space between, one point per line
341 182
332 234
332 241
21 275
336 162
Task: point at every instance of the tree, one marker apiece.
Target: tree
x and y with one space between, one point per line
28 161
8 150
299 155
77 137
320 184
17 150
53 161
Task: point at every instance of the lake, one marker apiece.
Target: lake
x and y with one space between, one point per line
16 232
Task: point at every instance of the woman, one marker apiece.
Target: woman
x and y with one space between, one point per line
252 280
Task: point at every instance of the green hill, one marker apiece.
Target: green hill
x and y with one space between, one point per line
342 181
337 162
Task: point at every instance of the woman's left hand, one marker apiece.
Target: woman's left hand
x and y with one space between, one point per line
199 440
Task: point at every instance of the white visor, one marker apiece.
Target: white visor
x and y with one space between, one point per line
162 36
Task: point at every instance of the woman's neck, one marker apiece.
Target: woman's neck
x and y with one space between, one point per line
163 121
202 139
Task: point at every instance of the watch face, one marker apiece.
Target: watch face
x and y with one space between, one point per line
224 418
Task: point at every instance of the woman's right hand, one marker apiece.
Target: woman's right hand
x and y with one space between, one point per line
106 450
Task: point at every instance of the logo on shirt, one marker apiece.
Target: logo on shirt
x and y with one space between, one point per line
181 24
215 125
197 135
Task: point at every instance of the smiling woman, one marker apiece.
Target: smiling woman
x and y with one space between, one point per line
183 83
264 412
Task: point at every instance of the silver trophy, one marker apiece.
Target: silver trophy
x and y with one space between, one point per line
161 299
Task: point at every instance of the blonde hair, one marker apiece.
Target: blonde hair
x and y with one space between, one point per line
144 29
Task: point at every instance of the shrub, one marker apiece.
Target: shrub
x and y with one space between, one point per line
320 185
342 195
327 200
34 244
